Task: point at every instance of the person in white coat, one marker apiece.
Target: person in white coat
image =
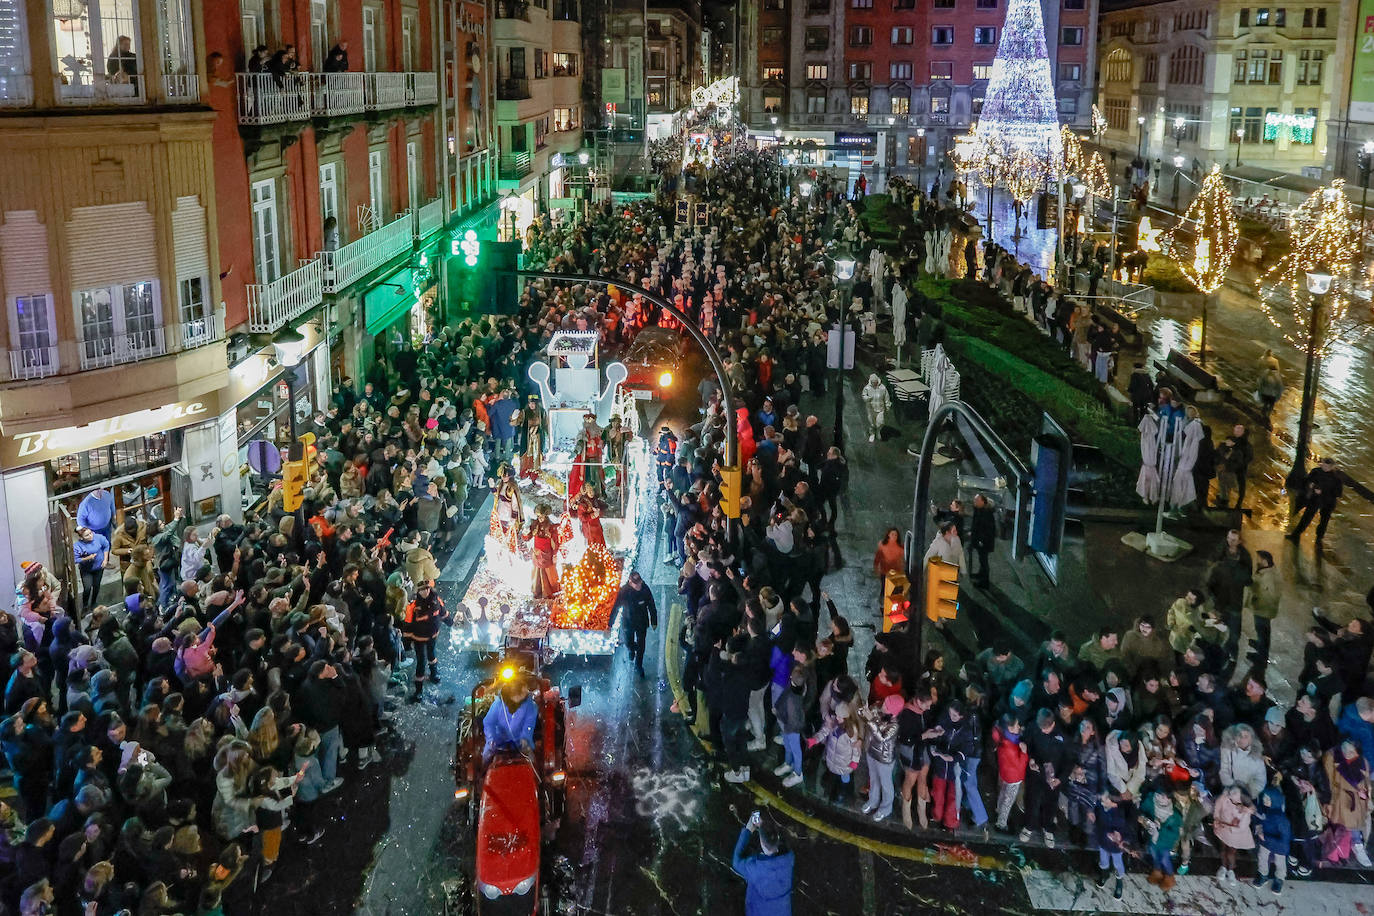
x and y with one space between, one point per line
877 402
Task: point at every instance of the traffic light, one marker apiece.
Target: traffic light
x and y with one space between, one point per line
481 274
942 590
731 480
293 477
896 601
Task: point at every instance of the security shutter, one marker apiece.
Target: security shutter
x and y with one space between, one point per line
189 239
24 255
111 244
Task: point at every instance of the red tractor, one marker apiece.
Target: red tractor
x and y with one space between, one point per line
514 795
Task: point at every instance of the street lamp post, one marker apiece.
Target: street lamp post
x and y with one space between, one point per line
1178 170
289 346
920 158
993 161
1240 136
1365 157
1140 137
844 275
1318 285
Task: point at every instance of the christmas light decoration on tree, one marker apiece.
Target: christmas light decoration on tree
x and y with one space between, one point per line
1211 221
1071 162
1020 104
1325 236
1099 122
1095 176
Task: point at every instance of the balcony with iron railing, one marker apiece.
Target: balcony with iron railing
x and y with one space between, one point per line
349 263
197 332
265 99
99 352
33 363
514 166
429 218
181 88
512 88
271 305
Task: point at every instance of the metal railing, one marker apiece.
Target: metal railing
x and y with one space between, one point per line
98 89
422 88
262 100
200 331
515 165
334 94
117 349
386 90
347 264
859 117
16 90
429 218
33 362
181 87
512 88
271 305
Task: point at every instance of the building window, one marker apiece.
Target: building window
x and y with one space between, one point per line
376 187
982 71
939 105
986 4
899 71
195 320
861 36
772 103
1118 113
858 104
1074 4
97 50
1068 106
984 35
541 132
860 70
815 103
369 39
412 176
942 35
1071 36
266 253
902 35
861 4
943 4
816 7
329 192
901 104
14 64
541 60
1321 17
408 32
1275 68
1243 18
118 323
817 71
1151 74
564 64
34 329
817 38
1070 73
1280 17
1250 127
772 73
658 60
1261 16
1194 20
1192 118
1185 66
941 69
566 119
976 105
1119 66
904 4
1310 67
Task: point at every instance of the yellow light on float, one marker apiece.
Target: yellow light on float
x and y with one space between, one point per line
507 673
665 380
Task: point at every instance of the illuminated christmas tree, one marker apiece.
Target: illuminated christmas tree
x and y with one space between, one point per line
1020 105
1210 225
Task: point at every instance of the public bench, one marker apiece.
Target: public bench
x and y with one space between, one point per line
1192 381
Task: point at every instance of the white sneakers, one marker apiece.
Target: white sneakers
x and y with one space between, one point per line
368 757
1226 876
870 807
1361 855
782 769
792 779
870 438
756 745
737 776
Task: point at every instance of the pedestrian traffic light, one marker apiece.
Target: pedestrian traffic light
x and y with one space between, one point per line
731 480
293 477
482 274
896 599
942 590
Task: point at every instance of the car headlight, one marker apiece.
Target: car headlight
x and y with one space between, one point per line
524 886
490 891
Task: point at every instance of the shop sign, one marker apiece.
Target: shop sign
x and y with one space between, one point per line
36 448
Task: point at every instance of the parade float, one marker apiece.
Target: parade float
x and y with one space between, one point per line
566 513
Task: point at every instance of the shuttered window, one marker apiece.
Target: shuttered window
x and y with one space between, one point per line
24 254
114 243
28 295
115 291
191 249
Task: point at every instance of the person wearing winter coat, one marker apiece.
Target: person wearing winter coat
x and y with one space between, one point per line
1308 794
1231 825
1109 832
880 720
767 875
842 734
877 403
1275 837
1011 766
1242 760
1162 825
1348 773
1266 587
790 708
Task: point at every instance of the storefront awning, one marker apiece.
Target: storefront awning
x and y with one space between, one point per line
388 299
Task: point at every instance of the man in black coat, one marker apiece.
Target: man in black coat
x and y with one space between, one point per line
982 537
319 704
636 602
1319 494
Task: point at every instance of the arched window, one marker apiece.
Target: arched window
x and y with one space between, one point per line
1119 66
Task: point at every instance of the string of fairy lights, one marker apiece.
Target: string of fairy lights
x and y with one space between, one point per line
1203 242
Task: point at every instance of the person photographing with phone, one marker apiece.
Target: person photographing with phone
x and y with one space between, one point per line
768 873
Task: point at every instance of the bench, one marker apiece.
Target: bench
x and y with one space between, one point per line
1192 381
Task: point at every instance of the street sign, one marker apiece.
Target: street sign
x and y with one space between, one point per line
832 348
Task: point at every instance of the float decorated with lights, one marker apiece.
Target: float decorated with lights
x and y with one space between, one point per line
566 513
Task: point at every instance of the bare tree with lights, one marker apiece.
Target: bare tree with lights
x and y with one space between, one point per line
1204 242
1309 295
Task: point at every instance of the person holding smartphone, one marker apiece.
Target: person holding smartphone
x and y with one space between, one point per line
768 873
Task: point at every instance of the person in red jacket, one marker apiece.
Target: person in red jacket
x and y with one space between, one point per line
1011 766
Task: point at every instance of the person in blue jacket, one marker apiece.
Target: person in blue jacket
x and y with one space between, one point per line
97 512
1275 836
767 875
510 721
90 550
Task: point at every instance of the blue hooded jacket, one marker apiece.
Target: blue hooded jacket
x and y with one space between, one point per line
769 880
1277 832
1356 729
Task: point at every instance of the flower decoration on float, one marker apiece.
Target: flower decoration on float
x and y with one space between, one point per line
589 589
